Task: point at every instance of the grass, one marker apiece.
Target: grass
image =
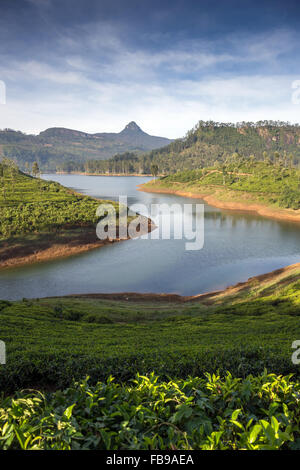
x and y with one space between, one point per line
240 180
164 355
52 341
32 205
42 218
188 375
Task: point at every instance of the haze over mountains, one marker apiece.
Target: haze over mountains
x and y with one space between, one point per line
56 145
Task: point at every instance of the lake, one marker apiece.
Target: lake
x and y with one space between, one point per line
236 246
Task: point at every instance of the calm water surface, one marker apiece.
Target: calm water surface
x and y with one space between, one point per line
237 246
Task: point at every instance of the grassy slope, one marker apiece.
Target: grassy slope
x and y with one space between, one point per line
242 182
50 341
243 329
37 215
30 204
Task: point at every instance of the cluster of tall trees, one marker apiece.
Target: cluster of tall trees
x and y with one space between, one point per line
9 169
128 163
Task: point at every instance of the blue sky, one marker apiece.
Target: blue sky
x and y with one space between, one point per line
96 65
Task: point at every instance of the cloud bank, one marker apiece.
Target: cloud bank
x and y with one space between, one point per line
96 74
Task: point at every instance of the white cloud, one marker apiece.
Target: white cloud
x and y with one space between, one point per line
94 82
168 110
41 71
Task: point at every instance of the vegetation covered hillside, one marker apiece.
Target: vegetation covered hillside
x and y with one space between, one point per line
36 215
211 142
56 147
131 150
239 179
31 205
244 330
240 332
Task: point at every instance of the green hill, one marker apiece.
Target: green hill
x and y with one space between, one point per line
242 329
54 147
41 219
240 183
209 142
194 404
31 205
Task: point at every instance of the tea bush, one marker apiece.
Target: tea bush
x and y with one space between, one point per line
208 413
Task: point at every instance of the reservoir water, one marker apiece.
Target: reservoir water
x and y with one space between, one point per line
236 246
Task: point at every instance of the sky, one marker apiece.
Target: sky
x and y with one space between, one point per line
95 65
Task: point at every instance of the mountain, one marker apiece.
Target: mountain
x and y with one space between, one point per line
134 151
209 142
56 145
133 136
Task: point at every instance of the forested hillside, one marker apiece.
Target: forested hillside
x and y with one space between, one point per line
207 143
134 151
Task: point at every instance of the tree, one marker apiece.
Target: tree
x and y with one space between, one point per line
35 169
154 170
224 173
276 158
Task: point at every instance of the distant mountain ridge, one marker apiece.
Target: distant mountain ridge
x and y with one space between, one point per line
212 142
134 151
56 145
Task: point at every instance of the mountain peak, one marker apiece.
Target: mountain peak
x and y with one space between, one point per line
132 126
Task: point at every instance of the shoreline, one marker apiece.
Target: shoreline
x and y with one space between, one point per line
63 250
260 209
83 173
209 297
55 249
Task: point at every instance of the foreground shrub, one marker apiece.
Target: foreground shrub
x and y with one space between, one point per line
259 412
